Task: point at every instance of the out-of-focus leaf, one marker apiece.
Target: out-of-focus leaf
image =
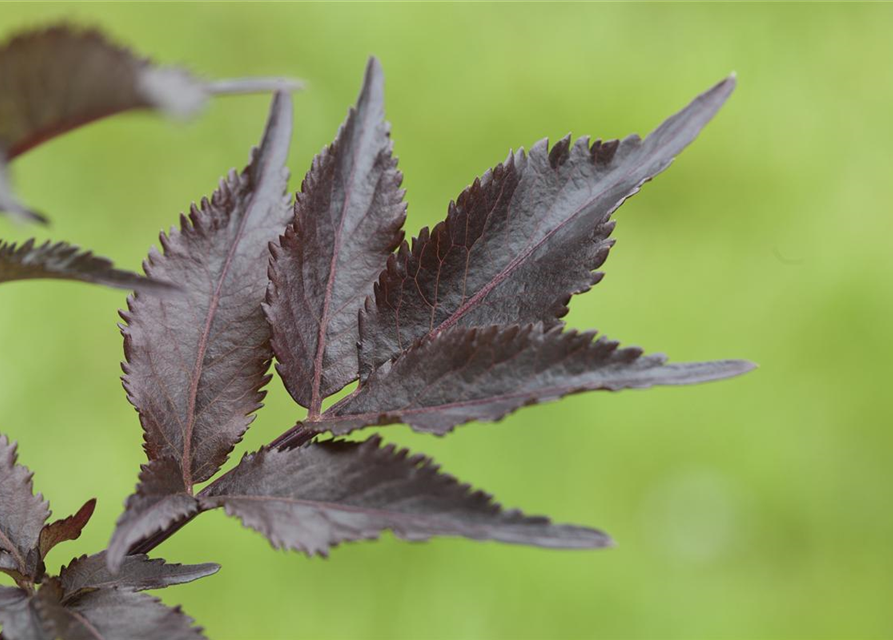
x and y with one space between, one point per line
347 222
63 261
56 79
107 614
196 362
522 239
137 573
160 500
22 514
66 529
11 204
485 373
314 497
87 603
17 620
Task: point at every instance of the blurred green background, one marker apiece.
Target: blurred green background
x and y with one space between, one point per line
753 508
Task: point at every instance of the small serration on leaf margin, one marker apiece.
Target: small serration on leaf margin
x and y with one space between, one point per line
196 363
347 222
160 500
62 261
485 373
523 239
314 497
22 514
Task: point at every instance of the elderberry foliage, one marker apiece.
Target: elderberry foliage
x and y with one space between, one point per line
460 324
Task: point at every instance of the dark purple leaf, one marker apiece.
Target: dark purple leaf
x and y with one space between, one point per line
522 239
66 529
485 373
136 573
54 80
161 499
109 614
17 618
62 261
315 497
22 514
347 222
196 362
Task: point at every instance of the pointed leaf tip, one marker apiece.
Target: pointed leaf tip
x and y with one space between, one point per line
371 488
485 373
522 239
347 221
63 261
66 529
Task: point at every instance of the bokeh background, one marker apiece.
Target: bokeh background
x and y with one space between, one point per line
753 508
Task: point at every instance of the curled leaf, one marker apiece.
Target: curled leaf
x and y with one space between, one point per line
66 529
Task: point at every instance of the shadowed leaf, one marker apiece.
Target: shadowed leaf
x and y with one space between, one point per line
57 79
522 239
62 261
16 619
22 514
315 497
485 373
160 500
66 529
347 222
107 614
196 362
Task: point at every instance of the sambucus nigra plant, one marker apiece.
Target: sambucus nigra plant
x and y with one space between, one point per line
462 324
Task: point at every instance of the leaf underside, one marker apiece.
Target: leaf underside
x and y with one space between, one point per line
63 261
196 362
57 79
485 373
521 240
315 497
347 222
